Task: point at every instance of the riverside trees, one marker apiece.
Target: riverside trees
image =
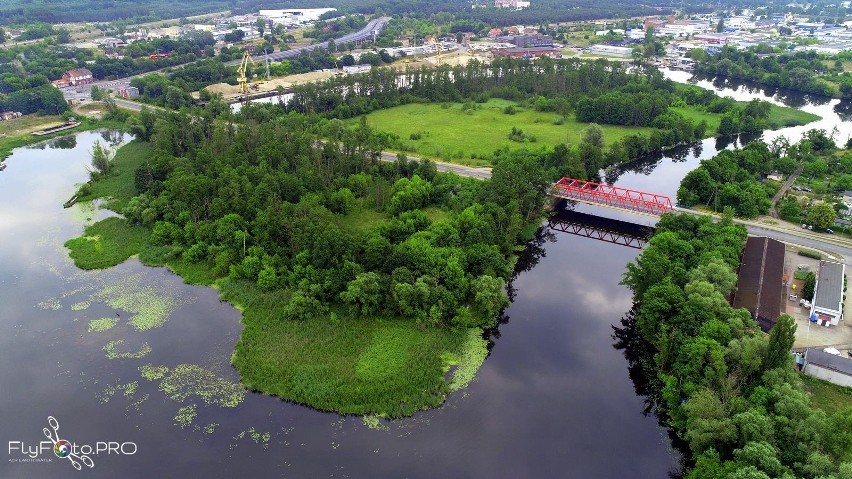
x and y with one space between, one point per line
272 205
725 388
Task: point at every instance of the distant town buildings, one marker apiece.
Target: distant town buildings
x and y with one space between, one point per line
294 16
516 4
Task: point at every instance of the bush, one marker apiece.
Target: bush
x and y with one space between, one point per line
510 110
809 254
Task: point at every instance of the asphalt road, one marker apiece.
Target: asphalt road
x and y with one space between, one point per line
374 26
469 171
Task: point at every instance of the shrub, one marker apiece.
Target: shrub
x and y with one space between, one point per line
809 254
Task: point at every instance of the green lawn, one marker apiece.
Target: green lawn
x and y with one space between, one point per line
362 220
446 132
453 134
827 396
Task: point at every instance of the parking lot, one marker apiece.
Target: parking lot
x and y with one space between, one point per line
809 334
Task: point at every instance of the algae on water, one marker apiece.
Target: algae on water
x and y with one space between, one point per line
188 380
112 351
151 372
101 325
474 350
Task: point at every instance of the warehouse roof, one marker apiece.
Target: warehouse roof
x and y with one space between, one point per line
760 280
829 288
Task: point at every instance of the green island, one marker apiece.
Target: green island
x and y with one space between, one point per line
728 390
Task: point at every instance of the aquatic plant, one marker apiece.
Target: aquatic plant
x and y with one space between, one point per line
80 306
186 415
188 380
101 325
473 353
151 372
374 422
112 351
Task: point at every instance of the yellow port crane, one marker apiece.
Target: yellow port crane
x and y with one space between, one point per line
241 72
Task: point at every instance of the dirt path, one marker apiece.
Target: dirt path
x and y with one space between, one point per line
786 186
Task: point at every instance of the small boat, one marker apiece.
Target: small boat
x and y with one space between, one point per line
2 166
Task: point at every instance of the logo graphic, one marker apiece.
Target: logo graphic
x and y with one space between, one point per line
64 449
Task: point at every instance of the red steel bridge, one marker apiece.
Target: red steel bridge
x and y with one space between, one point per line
634 201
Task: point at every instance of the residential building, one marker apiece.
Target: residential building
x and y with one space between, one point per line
832 368
827 306
76 76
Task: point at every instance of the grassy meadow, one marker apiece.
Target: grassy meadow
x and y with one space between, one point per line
450 133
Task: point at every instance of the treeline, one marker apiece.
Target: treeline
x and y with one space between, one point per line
269 203
725 388
597 91
45 100
323 31
736 178
799 71
731 180
543 11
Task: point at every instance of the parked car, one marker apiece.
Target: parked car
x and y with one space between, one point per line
829 231
804 226
804 303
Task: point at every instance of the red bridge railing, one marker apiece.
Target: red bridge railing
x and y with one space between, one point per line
611 196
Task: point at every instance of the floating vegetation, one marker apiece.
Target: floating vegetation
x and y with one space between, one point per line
101 325
188 380
151 372
129 390
150 306
208 429
255 436
473 354
51 303
80 306
186 415
374 422
112 351
137 403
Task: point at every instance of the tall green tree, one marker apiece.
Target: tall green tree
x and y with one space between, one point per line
781 338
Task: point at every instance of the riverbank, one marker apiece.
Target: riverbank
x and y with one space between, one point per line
388 366
18 132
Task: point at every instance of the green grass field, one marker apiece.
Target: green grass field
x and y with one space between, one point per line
451 134
385 366
119 185
827 396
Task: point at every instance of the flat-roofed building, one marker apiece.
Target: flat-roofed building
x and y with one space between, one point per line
829 367
827 306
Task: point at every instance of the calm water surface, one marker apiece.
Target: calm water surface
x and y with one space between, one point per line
552 400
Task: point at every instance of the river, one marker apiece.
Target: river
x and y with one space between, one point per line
554 398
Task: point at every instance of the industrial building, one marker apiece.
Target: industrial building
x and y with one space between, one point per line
760 287
832 368
526 41
827 307
610 50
